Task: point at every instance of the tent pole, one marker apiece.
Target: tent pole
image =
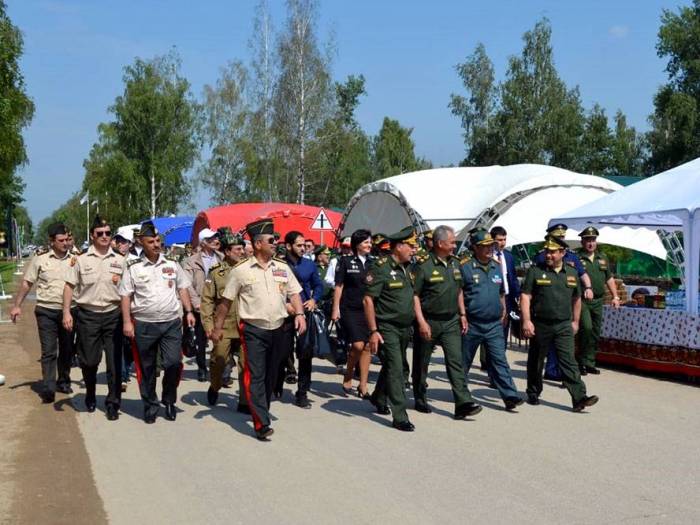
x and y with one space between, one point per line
692 249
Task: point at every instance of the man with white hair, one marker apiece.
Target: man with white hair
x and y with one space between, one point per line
197 268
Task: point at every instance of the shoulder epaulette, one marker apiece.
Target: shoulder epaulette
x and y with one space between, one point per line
279 259
240 262
421 259
215 266
465 259
170 258
132 262
381 261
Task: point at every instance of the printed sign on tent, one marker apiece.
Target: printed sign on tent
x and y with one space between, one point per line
322 222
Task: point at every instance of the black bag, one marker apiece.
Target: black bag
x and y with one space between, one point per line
314 342
189 342
339 348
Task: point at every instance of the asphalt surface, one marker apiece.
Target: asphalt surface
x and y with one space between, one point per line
632 458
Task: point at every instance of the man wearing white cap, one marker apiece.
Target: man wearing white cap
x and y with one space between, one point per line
197 267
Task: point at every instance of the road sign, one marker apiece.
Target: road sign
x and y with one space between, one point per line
322 222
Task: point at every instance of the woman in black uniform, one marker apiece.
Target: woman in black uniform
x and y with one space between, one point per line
347 306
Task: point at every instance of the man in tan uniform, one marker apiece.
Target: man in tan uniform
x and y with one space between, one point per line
93 280
197 268
223 351
261 285
48 272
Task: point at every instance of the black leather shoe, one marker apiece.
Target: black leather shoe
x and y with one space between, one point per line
290 378
264 433
212 396
64 389
150 419
48 397
202 376
467 409
533 399
423 407
513 402
582 370
302 402
586 401
381 409
243 409
170 412
403 426
112 413
592 370
91 405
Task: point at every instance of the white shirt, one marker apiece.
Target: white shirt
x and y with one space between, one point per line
500 258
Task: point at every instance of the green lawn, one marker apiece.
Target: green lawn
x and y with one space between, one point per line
6 271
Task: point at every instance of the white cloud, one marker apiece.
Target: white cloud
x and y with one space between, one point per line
619 31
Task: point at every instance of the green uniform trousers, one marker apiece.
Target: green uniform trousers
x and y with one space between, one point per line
561 335
390 384
589 331
447 334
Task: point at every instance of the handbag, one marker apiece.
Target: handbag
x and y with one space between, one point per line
314 341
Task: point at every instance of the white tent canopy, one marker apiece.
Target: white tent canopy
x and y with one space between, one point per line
520 198
668 201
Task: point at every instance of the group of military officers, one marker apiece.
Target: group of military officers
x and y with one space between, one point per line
239 295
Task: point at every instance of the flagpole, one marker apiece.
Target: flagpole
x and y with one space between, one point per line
87 208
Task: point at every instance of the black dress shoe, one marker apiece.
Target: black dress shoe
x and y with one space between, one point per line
467 409
582 370
533 399
170 412
64 389
513 402
48 397
403 426
202 376
243 409
112 413
592 370
291 378
212 396
423 407
264 433
381 409
91 405
586 401
150 419
302 402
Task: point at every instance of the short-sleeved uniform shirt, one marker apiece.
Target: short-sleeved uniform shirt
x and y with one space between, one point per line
48 272
390 285
483 289
95 279
153 288
598 269
212 293
438 284
552 292
262 292
351 272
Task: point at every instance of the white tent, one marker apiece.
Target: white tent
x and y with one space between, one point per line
520 198
668 201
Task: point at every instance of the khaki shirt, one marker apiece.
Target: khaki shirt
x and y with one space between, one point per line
211 297
194 266
153 288
95 279
48 272
262 293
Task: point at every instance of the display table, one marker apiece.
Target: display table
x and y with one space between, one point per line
652 340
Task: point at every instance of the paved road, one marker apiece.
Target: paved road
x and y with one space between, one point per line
632 458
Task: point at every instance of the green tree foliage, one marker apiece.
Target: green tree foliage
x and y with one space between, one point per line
16 112
303 95
394 152
674 137
627 149
532 116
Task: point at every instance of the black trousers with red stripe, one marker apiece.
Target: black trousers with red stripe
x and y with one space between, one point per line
264 351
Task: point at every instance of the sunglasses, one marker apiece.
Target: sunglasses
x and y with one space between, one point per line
103 234
270 240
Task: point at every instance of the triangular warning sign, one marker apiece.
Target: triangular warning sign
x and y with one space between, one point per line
322 222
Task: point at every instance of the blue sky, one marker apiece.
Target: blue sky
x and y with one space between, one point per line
75 52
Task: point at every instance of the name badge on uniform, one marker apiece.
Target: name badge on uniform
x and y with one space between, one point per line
543 282
497 279
603 264
115 267
457 275
571 281
436 279
395 284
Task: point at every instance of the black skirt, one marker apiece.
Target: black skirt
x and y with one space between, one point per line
354 325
